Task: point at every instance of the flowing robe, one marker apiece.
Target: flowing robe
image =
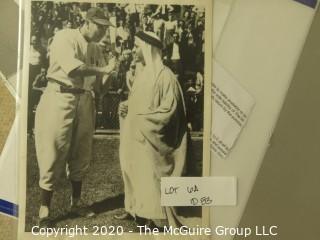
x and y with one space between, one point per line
153 142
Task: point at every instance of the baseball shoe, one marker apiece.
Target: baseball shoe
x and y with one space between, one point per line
45 222
81 209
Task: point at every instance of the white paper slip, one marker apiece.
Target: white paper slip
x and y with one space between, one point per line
231 108
198 191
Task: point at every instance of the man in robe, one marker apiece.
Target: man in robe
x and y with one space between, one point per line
153 135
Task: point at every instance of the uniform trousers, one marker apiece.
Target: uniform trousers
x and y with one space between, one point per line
64 127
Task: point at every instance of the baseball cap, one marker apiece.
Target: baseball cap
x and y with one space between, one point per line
97 15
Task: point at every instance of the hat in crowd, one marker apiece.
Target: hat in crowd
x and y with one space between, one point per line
150 39
97 15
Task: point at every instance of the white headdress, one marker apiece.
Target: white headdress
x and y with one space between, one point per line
151 49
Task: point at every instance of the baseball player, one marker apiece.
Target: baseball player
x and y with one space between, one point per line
64 123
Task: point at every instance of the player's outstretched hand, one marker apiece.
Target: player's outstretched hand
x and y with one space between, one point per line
111 66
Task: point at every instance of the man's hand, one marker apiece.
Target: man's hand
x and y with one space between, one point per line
123 109
85 70
108 70
111 66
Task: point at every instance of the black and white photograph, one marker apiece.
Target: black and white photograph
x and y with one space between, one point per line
115 98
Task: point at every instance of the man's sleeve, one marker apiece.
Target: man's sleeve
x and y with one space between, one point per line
164 126
63 53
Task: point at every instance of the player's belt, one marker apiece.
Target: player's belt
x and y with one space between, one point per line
67 89
72 90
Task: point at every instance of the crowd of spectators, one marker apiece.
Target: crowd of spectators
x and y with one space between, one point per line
180 28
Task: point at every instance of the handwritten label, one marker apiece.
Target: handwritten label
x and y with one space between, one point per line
198 191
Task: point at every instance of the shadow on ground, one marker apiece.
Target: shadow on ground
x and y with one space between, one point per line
102 189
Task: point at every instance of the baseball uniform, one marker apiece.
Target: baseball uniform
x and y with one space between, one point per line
64 122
